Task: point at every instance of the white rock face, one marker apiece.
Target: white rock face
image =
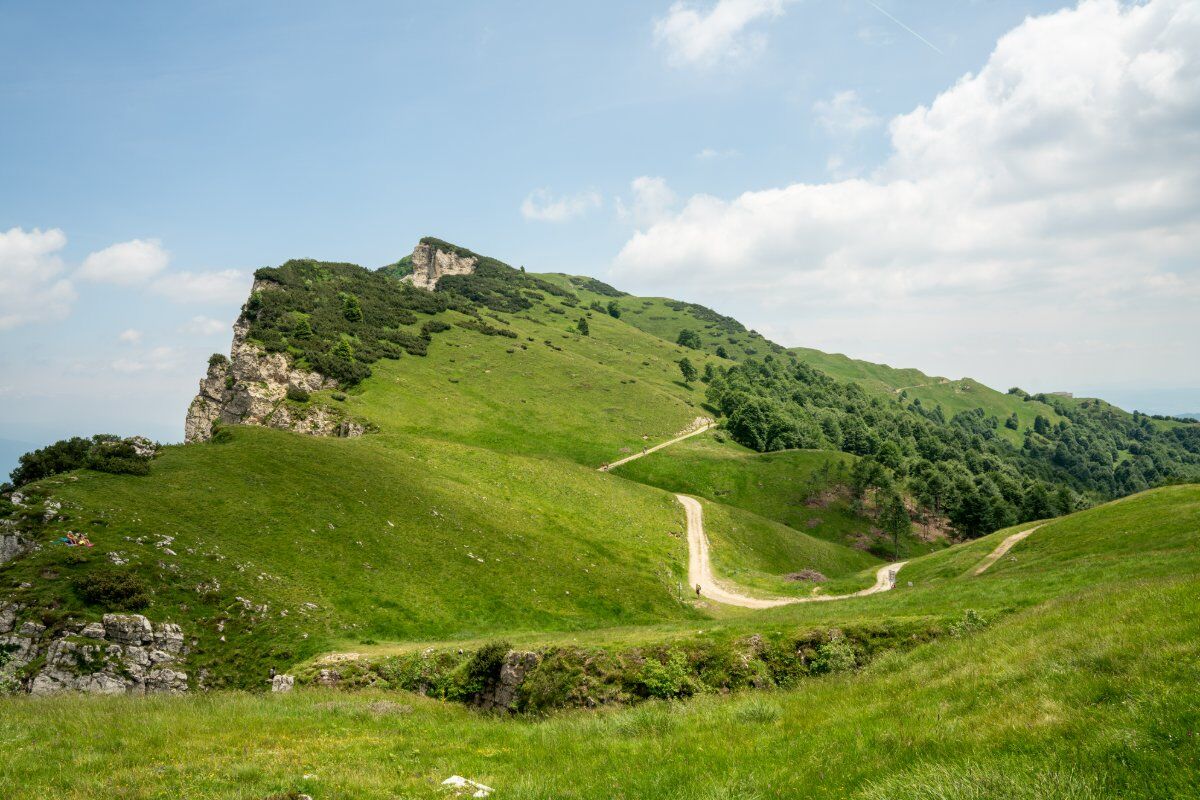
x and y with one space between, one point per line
124 654
13 545
250 389
283 683
430 264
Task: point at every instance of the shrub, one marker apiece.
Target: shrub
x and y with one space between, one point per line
834 655
483 669
688 338
433 326
112 589
297 393
218 359
103 452
668 678
971 622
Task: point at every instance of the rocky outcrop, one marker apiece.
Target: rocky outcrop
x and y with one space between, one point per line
431 262
12 543
123 654
251 386
503 695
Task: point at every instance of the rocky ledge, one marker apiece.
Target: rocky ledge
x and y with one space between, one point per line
249 388
430 262
122 654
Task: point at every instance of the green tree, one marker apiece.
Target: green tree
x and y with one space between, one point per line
351 309
688 370
1041 425
614 310
722 352
689 338
582 326
709 374
894 519
1013 423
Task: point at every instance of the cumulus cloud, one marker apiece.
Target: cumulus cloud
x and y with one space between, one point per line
542 206
31 286
126 263
227 286
158 359
129 336
1062 174
651 200
204 326
704 37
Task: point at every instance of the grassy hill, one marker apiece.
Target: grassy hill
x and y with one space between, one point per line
1078 680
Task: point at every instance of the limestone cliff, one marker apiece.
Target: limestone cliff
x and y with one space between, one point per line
251 386
430 261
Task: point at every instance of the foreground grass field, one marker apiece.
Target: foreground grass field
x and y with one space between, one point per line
1088 696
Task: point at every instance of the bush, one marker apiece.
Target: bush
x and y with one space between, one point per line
297 393
433 326
103 452
111 589
217 359
835 655
971 622
668 678
483 670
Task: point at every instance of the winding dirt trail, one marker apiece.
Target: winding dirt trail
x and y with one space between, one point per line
707 427
1008 544
700 571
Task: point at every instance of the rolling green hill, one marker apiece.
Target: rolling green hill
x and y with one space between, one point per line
1076 678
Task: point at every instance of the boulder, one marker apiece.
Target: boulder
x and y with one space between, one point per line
93 630
8 617
283 683
503 695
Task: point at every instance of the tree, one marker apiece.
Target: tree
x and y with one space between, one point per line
894 519
709 374
689 338
1013 423
688 369
614 310
351 309
722 352
582 326
1041 425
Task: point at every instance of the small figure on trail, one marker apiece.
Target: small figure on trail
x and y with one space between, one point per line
697 590
643 449
272 673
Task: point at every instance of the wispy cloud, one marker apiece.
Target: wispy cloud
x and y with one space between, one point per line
703 37
542 206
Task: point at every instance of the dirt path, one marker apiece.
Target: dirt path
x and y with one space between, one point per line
997 554
700 572
942 382
650 450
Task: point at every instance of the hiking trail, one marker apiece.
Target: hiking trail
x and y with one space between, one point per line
1008 544
700 570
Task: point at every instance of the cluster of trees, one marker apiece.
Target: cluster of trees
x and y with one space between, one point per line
961 467
103 452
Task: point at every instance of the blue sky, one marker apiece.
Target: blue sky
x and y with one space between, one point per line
740 153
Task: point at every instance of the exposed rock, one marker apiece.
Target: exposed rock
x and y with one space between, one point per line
17 499
430 263
250 388
8 617
128 629
112 657
13 545
512 674
283 683
144 447
93 630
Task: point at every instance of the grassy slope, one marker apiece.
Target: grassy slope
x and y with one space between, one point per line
1088 691
481 453
773 485
953 396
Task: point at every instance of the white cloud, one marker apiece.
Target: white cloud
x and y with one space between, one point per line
129 336
704 37
712 154
229 286
126 263
844 115
30 287
204 326
1062 176
158 359
542 206
652 201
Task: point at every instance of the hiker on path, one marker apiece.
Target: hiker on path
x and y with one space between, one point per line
697 590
